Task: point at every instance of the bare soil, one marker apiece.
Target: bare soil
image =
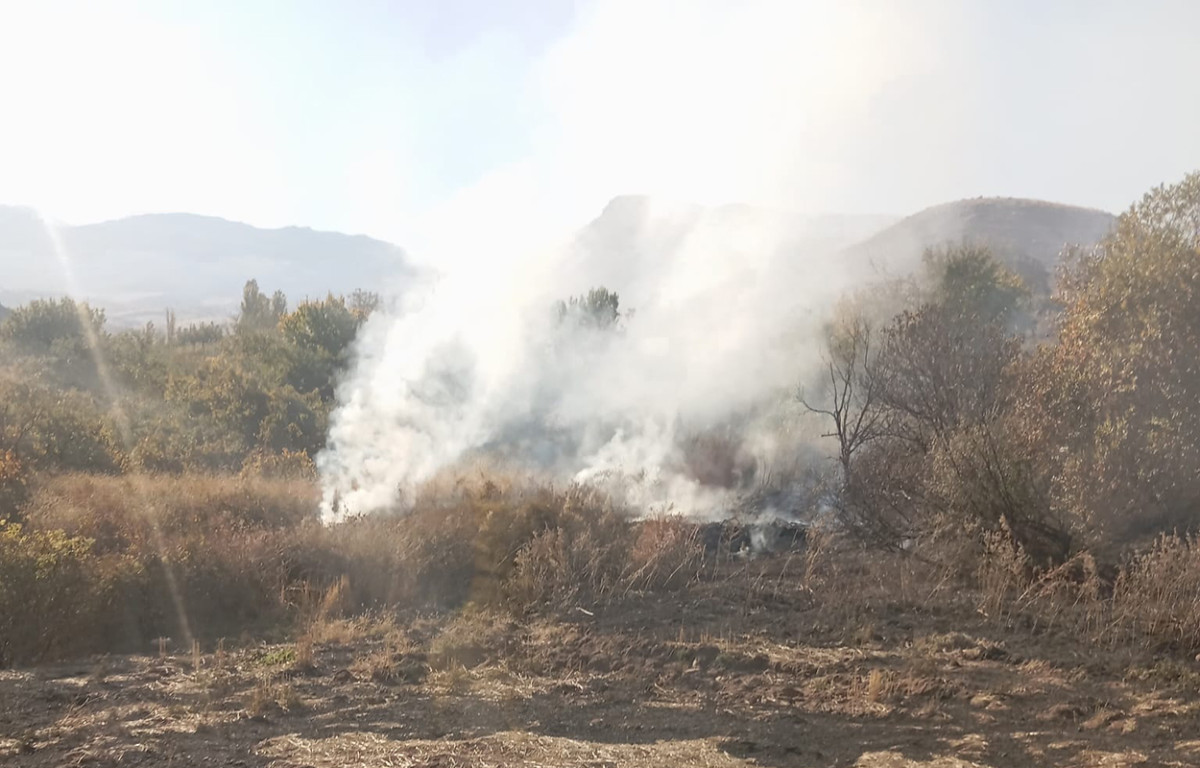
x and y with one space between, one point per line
751 671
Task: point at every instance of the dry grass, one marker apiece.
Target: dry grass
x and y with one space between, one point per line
472 639
1157 594
502 749
108 564
269 697
135 512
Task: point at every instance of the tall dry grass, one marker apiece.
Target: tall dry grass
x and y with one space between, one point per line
112 563
204 556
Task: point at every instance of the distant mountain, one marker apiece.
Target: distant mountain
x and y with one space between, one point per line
1027 235
137 266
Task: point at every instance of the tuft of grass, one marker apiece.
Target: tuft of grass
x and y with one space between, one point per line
278 657
875 685
267 698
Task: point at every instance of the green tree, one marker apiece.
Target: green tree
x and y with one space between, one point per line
47 428
970 284
364 303
598 309
62 333
329 326
259 312
198 334
51 326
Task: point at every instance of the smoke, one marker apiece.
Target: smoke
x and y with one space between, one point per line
705 103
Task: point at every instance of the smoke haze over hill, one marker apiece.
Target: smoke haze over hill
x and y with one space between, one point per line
728 302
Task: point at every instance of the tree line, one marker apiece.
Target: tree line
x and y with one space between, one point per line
208 397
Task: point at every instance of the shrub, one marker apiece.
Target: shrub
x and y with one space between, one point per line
46 593
666 553
1114 402
1157 594
14 486
136 513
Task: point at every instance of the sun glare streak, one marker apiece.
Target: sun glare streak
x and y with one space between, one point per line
120 416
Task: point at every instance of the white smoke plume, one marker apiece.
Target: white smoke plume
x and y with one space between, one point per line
704 102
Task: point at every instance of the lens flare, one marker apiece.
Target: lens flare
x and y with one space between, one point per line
112 393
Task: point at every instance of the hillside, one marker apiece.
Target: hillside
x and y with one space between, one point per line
1028 235
139 265
627 244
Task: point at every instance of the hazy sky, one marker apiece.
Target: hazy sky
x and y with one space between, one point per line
378 116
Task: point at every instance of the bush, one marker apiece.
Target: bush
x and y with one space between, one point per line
1114 402
47 594
14 486
54 429
1157 594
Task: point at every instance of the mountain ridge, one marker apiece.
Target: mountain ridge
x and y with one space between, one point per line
138 265
1026 234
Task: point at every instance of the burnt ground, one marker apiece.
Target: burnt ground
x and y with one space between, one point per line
756 672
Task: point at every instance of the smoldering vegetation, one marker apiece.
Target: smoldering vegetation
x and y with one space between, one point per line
949 438
672 388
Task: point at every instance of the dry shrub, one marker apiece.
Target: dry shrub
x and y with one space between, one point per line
135 511
473 638
482 539
1154 596
284 465
667 553
396 660
170 556
418 561
579 549
267 698
1157 593
130 559
1002 575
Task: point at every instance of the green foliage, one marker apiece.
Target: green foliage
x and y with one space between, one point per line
198 334
44 590
168 438
258 311
318 335
328 326
52 326
60 332
258 411
599 309
194 399
50 428
139 360
971 284
14 486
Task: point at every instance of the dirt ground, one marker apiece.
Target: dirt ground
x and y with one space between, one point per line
722 674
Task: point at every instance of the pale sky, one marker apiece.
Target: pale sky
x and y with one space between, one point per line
379 117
